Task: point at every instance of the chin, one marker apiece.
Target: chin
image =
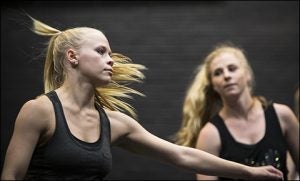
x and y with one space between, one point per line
231 93
103 82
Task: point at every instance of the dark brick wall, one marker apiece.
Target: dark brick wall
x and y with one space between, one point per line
171 39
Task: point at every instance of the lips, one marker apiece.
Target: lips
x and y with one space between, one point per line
110 71
229 85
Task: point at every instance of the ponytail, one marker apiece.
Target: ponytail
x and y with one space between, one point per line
110 96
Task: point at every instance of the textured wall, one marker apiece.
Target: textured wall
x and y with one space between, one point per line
170 39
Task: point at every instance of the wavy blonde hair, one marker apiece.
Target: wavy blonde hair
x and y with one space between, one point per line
202 102
110 96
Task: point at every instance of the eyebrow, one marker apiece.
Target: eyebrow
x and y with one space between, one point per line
229 65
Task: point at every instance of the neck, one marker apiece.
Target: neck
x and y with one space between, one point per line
81 95
239 107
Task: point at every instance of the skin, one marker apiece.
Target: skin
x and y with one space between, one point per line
243 116
88 67
293 174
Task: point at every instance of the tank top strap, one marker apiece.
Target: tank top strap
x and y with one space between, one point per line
104 121
272 123
225 136
57 108
52 95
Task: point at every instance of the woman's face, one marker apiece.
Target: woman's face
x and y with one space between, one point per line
95 63
228 76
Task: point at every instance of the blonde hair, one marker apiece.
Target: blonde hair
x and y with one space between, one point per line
202 102
110 96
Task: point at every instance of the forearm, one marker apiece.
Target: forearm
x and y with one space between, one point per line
208 164
206 177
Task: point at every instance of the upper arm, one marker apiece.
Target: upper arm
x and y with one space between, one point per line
208 141
29 125
131 136
290 128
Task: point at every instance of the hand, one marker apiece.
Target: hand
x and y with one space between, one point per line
265 173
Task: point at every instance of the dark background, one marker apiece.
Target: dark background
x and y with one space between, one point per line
171 39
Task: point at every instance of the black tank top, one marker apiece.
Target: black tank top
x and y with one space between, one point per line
65 157
270 150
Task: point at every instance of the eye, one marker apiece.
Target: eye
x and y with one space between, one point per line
101 50
217 72
232 68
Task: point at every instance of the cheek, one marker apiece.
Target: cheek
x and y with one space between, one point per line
244 79
215 84
89 55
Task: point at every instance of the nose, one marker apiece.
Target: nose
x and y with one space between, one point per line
227 75
110 61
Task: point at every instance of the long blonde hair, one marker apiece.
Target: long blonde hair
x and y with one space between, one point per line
124 70
202 102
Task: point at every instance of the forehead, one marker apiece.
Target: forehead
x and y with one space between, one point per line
224 59
95 38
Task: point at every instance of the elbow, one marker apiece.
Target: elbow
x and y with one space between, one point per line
184 159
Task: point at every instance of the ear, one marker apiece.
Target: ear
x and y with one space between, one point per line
248 77
72 57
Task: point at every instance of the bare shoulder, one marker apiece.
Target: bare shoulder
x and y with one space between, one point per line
283 111
36 112
120 118
39 106
209 139
209 131
286 116
121 124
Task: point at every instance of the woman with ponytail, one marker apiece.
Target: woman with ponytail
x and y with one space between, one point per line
223 117
67 132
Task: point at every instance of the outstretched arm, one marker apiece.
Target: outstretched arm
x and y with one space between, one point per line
128 134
